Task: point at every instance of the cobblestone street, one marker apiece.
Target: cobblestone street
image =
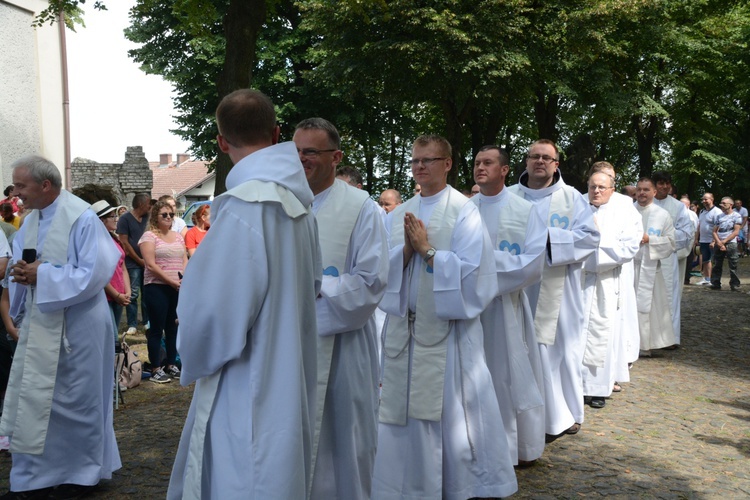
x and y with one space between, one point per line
679 429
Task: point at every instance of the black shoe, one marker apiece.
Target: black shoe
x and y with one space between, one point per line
39 494
714 287
70 491
597 403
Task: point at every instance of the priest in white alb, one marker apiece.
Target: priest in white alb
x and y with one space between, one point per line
621 230
654 262
247 321
441 432
518 236
58 407
558 301
355 270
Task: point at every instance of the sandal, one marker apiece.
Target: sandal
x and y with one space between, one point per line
617 388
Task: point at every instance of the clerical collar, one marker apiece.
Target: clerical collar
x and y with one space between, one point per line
49 211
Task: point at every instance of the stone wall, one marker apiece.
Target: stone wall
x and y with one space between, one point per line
127 178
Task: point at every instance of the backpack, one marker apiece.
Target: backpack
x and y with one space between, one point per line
128 366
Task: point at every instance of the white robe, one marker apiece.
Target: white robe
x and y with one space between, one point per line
510 343
621 230
80 447
569 247
652 288
345 307
247 323
465 454
684 235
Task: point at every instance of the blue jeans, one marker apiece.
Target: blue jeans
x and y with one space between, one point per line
136 284
162 305
733 256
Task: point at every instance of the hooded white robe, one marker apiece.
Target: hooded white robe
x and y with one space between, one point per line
247 336
621 230
570 242
509 340
80 446
465 454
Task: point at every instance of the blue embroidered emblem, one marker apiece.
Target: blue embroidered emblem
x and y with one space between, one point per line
654 232
429 269
331 271
559 221
513 248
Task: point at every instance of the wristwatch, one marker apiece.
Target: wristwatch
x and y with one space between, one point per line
429 254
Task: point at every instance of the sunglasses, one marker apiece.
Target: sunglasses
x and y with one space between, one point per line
169 215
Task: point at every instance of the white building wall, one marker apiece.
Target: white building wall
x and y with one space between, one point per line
31 109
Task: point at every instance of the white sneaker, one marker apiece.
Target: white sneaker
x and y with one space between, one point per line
704 281
131 331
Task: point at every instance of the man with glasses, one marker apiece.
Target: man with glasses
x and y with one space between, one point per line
558 302
684 235
130 228
657 252
608 286
519 238
441 432
355 269
726 228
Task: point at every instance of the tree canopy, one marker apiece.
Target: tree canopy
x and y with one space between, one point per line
646 85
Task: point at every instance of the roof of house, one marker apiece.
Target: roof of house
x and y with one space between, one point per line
174 179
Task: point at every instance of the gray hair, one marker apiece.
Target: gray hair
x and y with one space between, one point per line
40 169
324 125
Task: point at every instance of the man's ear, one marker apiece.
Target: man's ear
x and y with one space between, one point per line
223 144
275 135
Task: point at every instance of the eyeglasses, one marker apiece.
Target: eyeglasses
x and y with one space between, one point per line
544 158
313 153
169 215
110 216
424 161
598 188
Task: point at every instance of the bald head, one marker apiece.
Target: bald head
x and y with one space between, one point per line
389 199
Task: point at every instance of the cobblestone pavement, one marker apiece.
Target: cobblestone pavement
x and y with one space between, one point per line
680 428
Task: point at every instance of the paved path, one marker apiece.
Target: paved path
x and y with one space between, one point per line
680 428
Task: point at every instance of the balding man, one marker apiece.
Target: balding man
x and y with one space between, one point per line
389 199
604 291
726 228
558 302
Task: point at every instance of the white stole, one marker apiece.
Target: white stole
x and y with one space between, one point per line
206 387
336 220
424 400
28 401
511 237
547 313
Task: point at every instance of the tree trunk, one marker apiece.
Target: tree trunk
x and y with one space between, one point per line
242 24
545 112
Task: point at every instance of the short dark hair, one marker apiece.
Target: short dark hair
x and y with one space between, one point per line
8 190
647 179
661 176
6 207
548 142
141 199
354 175
321 124
246 117
504 156
442 142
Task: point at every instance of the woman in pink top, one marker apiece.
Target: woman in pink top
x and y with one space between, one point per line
201 223
164 252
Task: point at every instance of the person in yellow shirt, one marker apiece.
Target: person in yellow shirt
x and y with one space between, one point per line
6 211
